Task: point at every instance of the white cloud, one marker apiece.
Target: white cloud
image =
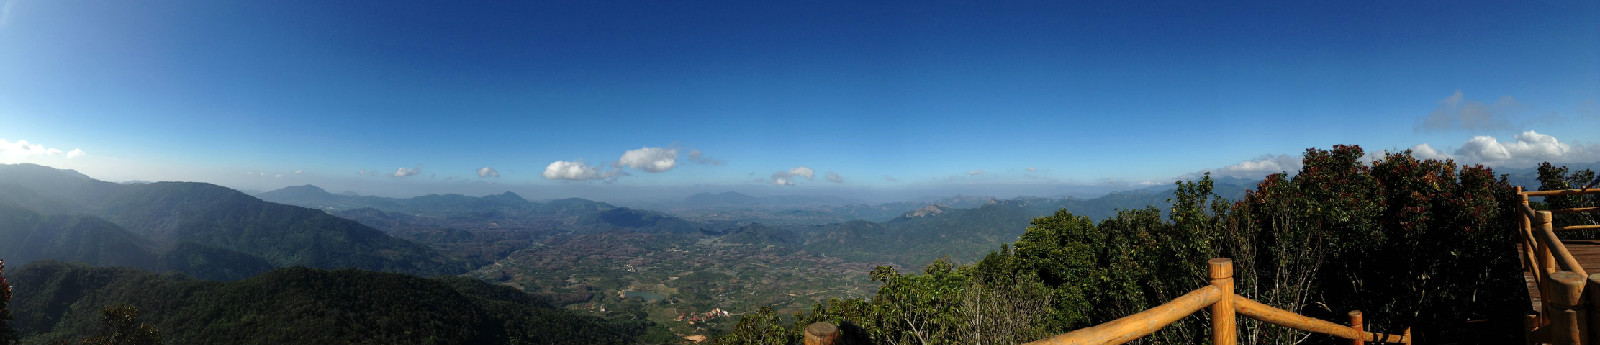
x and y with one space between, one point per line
803 171
405 172
890 178
648 159
975 172
1031 169
1457 113
22 149
835 178
1484 148
784 178
651 159
486 172
299 171
1529 147
577 171
1260 167
1424 152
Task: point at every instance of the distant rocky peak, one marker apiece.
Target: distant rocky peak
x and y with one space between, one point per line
925 211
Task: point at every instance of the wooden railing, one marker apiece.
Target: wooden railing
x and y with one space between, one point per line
1218 296
1562 283
1224 304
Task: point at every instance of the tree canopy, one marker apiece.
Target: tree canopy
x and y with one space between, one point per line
1412 243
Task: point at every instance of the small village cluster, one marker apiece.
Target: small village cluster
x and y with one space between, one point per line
702 317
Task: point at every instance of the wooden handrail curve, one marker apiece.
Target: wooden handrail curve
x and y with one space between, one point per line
1138 325
1219 293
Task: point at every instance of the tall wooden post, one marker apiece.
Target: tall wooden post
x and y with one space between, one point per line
1525 227
821 333
1547 265
1355 324
1534 249
1567 322
1223 323
1547 257
1540 264
1592 310
1530 328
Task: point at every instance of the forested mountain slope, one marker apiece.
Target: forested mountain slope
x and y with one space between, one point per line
58 301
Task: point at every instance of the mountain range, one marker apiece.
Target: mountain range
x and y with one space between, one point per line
205 230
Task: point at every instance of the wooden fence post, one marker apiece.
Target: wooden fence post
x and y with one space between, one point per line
821 333
1592 310
1223 322
1531 327
1355 324
1547 265
1547 257
1530 244
1567 321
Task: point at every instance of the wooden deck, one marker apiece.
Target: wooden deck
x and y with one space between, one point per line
1586 251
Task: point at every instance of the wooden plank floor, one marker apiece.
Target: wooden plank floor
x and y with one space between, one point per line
1586 251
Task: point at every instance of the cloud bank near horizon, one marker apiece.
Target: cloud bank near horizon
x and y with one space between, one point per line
21 149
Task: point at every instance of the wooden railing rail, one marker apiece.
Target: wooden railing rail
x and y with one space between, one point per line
1136 326
1561 192
1562 316
1528 211
1224 304
1272 315
1576 210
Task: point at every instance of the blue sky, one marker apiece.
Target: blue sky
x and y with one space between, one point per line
886 96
